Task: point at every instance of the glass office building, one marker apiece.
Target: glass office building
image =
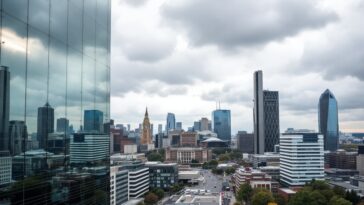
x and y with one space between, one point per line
55 64
222 124
328 120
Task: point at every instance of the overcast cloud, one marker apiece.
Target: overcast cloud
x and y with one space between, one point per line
183 56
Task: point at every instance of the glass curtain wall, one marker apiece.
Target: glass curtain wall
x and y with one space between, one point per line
56 55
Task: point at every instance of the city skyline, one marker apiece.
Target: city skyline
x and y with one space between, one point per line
185 68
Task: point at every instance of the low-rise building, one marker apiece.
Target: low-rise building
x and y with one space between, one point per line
162 175
199 197
190 176
272 171
184 155
121 158
266 159
255 178
341 159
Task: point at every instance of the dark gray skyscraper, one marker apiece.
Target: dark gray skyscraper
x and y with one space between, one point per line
45 124
63 125
271 119
171 122
258 113
222 124
328 120
4 107
18 136
266 116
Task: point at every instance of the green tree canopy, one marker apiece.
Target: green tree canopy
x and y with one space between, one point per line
151 198
245 192
262 197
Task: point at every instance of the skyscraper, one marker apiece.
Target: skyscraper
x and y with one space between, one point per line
45 124
93 121
63 125
328 120
146 137
222 124
258 113
18 136
171 122
57 52
178 125
266 116
301 158
271 119
4 107
160 128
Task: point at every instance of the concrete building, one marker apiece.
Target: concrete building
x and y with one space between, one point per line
189 176
86 148
130 149
188 139
119 185
253 177
266 159
258 113
138 178
5 168
301 158
272 171
245 142
204 124
184 155
360 160
341 159
162 175
199 197
146 137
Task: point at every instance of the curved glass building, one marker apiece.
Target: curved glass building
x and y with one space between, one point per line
55 67
328 120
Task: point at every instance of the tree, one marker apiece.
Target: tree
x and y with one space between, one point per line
262 197
213 163
301 197
224 157
230 170
159 192
280 200
339 201
151 198
245 192
352 196
154 156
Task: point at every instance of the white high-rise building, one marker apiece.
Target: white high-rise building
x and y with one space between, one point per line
118 185
301 158
89 148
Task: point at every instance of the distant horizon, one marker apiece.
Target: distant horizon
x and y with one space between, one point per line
183 56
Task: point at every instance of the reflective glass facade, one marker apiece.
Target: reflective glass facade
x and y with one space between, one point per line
271 119
55 65
222 124
328 120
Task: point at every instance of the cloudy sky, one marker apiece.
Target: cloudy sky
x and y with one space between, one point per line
182 56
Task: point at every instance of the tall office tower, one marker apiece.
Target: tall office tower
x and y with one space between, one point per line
4 107
209 125
271 120
258 113
93 121
196 126
266 116
204 124
128 127
45 124
328 120
63 125
178 125
57 52
301 158
146 137
160 128
18 136
222 124
171 122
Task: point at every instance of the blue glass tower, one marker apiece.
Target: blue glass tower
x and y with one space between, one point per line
222 124
171 122
93 120
328 120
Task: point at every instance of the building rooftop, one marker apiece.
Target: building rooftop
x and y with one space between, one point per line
287 191
213 139
160 164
